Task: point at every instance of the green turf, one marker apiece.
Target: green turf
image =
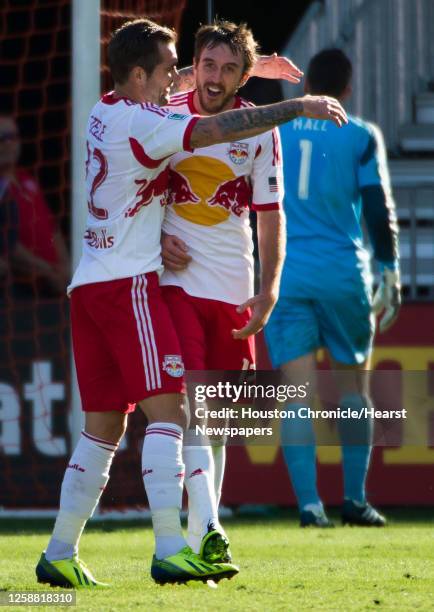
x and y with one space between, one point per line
282 566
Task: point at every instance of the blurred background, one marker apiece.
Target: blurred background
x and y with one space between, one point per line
391 45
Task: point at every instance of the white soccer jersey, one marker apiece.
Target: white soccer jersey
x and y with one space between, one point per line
211 192
128 149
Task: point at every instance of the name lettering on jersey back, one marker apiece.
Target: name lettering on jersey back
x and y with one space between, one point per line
97 127
99 239
148 190
314 125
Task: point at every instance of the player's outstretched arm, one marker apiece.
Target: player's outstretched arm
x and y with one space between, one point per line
276 67
266 67
271 240
247 122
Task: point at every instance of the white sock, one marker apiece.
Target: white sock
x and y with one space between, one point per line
219 454
83 483
199 482
163 477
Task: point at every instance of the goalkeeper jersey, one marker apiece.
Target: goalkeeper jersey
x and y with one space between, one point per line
211 192
325 169
128 149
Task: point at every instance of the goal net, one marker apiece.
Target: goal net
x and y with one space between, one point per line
35 226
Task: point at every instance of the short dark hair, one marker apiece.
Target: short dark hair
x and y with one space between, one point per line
329 73
238 37
135 43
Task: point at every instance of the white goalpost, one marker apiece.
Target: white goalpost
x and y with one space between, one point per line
86 39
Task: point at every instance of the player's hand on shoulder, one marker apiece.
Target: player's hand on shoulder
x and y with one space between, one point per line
324 107
261 306
387 298
174 253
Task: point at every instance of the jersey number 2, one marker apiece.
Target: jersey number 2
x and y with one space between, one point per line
303 179
100 177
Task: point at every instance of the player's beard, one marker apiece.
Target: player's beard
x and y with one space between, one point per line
217 105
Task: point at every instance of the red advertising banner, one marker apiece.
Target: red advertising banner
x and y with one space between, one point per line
399 475
35 440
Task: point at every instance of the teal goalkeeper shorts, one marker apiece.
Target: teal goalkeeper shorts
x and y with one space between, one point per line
300 326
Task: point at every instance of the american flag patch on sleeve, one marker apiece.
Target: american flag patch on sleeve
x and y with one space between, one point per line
273 183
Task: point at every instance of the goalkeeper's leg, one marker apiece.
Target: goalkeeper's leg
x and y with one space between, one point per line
292 336
299 446
356 437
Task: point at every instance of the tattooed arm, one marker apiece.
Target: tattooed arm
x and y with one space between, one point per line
247 122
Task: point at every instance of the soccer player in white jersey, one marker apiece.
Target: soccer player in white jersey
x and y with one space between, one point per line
207 244
125 347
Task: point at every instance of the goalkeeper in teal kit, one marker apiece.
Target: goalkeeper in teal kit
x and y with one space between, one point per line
333 179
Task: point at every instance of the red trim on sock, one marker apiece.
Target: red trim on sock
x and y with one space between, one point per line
100 441
152 428
169 433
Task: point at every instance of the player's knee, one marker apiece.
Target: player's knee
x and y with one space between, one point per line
109 426
166 408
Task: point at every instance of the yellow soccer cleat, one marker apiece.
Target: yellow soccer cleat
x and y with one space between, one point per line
66 573
187 565
214 548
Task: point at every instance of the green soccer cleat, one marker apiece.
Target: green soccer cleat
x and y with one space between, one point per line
187 565
214 548
363 515
66 573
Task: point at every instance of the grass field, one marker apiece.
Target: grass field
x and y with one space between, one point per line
282 566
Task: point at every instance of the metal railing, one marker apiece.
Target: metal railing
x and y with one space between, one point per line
391 45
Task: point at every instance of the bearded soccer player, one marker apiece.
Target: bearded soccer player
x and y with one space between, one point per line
125 347
332 179
207 244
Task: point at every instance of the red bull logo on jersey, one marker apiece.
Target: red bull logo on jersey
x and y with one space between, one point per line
206 191
173 365
180 189
238 152
233 195
148 190
99 239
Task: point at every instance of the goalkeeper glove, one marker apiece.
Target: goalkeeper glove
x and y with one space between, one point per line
388 297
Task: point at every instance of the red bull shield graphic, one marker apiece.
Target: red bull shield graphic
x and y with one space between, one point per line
173 365
238 152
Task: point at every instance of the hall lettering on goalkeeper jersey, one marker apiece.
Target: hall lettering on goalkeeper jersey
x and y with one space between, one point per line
325 168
